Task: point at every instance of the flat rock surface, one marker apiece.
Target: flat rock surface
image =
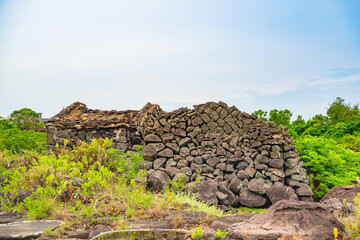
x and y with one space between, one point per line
224 223
8 217
149 225
26 229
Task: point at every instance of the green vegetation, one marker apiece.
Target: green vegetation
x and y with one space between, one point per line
94 180
198 233
328 145
220 234
23 131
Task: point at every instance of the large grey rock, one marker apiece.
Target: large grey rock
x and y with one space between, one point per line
257 186
277 193
348 192
27 229
158 180
206 191
250 199
149 152
308 220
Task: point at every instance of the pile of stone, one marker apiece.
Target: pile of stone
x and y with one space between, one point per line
243 155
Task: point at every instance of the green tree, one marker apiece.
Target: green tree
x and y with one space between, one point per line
339 111
281 117
261 114
26 119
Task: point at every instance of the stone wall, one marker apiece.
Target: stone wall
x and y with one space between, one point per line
78 123
239 153
240 159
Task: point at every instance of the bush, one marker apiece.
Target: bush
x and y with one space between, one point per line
17 141
328 163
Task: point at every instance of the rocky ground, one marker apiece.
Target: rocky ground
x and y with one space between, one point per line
286 219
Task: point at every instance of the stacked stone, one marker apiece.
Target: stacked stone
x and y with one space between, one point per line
123 138
78 123
242 154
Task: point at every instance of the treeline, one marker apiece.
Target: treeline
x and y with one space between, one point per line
22 131
329 145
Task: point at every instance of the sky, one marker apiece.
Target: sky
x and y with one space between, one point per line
117 54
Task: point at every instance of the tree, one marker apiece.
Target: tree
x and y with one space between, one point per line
261 114
339 111
26 119
281 117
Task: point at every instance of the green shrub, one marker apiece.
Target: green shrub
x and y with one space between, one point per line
328 163
17 140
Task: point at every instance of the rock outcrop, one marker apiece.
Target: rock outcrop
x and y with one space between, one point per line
307 220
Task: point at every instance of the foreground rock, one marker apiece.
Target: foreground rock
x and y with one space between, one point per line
308 220
26 229
348 192
224 223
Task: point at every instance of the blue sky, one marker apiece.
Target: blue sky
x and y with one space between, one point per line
298 55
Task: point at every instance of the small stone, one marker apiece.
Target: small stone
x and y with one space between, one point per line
256 145
220 151
304 190
173 146
197 121
221 166
167 137
242 174
166 153
276 163
182 164
149 152
184 152
186 170
159 162
212 162
145 165
152 138
250 171
183 142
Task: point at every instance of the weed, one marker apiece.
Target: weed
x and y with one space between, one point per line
199 233
220 234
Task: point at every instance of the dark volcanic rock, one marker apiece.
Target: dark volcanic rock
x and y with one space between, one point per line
206 191
158 180
308 220
348 192
224 223
277 193
250 199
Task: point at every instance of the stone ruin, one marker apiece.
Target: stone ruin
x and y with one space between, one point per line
239 159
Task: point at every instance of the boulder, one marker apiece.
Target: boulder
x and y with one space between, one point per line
149 152
158 180
206 191
277 193
348 192
308 220
250 199
257 186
